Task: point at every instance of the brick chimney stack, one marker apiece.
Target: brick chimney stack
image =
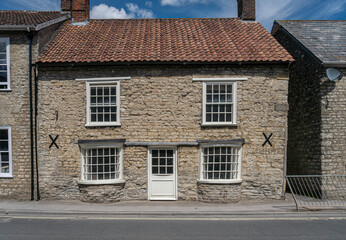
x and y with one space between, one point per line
247 10
79 9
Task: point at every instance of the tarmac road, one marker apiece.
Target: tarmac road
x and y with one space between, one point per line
83 227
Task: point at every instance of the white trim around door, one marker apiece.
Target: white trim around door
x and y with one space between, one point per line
162 173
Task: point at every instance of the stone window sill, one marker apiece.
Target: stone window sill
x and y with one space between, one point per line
101 182
235 181
219 125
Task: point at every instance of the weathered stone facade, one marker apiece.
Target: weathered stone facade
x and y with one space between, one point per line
161 103
15 110
316 119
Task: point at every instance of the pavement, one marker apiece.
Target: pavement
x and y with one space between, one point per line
155 208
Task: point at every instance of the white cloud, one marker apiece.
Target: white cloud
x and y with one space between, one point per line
104 11
148 4
138 12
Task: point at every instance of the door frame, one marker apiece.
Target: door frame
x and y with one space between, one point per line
175 170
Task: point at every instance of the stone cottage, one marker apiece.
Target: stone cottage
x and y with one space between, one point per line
23 35
317 114
162 109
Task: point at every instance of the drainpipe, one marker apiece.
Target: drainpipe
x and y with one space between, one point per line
30 36
36 116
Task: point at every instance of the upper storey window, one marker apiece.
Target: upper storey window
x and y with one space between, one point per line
4 64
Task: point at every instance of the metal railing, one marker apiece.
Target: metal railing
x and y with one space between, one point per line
318 191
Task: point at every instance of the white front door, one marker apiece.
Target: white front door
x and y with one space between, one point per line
162 174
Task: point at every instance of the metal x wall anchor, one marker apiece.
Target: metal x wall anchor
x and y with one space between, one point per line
267 139
53 141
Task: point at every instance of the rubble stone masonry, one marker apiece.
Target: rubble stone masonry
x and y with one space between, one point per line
14 111
161 103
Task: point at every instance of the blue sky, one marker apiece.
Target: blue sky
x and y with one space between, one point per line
267 10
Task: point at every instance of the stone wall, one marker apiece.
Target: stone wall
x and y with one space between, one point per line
14 111
161 103
333 129
316 118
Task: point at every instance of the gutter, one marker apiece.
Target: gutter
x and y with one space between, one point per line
184 63
36 121
334 64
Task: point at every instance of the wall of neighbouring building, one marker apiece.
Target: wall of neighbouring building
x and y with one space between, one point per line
316 118
163 104
14 111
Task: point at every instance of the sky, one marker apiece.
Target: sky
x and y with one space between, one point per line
266 10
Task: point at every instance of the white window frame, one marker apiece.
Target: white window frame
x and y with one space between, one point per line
7 41
234 95
219 181
9 174
88 112
86 146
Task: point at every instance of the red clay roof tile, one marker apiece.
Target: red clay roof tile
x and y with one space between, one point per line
8 17
164 40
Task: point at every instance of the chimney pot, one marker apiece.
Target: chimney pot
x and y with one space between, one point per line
247 10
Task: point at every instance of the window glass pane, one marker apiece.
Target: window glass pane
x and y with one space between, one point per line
162 170
169 170
169 161
3 61
3 134
155 170
215 88
162 161
229 88
3 77
93 91
5 168
113 90
169 153
4 157
209 88
155 161
3 145
2 47
2 56
208 118
229 98
155 153
3 67
222 88
209 98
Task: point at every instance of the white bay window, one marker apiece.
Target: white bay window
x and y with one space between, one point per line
220 163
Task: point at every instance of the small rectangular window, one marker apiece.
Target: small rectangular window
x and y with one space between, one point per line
102 163
220 163
219 103
4 64
5 152
103 104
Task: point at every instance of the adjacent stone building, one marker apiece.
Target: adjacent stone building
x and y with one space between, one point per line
162 109
19 30
317 114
